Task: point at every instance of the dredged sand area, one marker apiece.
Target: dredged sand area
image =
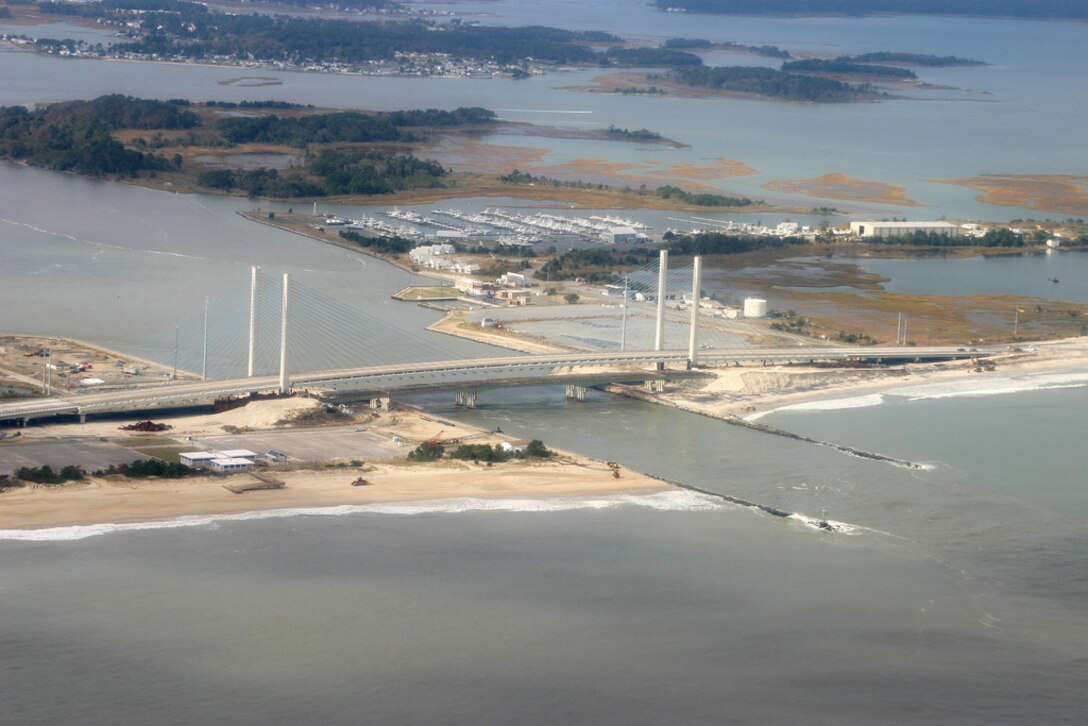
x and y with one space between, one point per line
117 499
748 392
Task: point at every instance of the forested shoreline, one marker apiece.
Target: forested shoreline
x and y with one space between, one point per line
977 8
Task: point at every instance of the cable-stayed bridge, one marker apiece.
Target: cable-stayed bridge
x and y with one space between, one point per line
293 336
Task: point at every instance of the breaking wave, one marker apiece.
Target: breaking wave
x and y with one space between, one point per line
671 501
831 404
993 386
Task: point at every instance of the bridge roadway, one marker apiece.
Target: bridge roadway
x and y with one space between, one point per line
449 374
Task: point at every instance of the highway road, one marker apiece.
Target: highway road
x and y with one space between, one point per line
451 374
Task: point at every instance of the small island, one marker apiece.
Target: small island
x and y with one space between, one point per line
282 150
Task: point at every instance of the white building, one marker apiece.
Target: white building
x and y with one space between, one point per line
467 268
475 288
226 465
426 255
514 279
238 454
903 229
197 459
620 235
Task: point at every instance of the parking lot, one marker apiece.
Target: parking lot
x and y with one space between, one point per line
308 445
91 455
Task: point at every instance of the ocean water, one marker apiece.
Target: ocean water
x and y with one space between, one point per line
947 596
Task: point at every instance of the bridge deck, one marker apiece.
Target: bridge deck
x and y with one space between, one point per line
525 369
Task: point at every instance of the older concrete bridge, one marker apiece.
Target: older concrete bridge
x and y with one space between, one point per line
458 375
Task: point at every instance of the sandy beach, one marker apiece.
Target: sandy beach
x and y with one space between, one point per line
733 392
117 499
745 391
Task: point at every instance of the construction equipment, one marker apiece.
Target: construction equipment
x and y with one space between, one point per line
615 469
360 482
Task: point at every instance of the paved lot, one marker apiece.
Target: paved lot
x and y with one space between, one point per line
90 455
311 445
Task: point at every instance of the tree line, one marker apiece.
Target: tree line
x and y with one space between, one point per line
77 135
345 126
771 82
978 8
332 172
846 67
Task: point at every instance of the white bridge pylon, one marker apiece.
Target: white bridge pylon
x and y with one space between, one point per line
320 323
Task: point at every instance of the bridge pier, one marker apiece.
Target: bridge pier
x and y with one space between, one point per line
654 385
83 418
575 392
466 399
382 402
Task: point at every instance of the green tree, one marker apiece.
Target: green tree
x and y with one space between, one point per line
571 298
537 450
427 451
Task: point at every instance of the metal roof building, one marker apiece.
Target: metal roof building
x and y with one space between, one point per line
902 229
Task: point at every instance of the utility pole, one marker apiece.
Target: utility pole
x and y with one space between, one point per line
1015 323
177 332
253 320
899 330
204 366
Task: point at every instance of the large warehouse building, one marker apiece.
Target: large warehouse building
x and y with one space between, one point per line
902 229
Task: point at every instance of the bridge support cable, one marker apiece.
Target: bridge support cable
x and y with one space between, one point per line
345 336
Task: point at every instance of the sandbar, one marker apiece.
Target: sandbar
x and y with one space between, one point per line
840 186
1047 193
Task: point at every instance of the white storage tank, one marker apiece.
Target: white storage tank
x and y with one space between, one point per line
755 307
